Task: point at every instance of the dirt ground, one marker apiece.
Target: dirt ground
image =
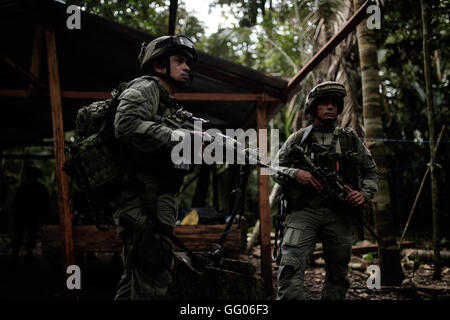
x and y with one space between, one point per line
45 278
417 285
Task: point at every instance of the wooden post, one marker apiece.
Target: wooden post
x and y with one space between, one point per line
264 206
65 214
36 54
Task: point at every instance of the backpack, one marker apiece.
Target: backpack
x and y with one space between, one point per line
93 159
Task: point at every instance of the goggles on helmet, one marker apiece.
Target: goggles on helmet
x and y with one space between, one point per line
181 41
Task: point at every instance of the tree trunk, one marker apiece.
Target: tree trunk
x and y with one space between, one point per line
430 113
388 252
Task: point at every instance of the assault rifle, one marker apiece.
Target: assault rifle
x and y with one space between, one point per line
182 119
280 224
332 183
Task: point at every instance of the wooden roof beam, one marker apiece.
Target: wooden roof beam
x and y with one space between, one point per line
224 97
65 213
22 72
349 27
197 96
291 86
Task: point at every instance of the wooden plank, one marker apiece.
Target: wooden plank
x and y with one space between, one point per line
180 96
88 238
36 53
22 72
223 97
264 207
14 93
65 214
94 95
362 249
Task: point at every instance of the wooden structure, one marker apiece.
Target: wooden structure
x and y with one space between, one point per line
87 64
201 237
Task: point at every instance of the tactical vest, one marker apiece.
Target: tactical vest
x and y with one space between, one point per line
345 163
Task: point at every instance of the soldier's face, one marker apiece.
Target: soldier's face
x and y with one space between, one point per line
179 68
327 109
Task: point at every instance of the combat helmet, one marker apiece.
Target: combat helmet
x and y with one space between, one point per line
164 47
329 89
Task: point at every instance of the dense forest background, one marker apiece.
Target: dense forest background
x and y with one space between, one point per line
279 37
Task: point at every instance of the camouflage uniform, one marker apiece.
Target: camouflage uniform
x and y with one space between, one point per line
311 218
146 210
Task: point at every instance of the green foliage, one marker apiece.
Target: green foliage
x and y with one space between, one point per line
404 107
151 16
416 264
368 257
148 15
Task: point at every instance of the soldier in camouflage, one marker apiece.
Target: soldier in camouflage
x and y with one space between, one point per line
146 209
313 217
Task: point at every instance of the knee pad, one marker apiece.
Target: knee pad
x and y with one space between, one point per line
289 265
287 273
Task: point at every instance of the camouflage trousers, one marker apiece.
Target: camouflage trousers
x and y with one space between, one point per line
147 252
304 228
